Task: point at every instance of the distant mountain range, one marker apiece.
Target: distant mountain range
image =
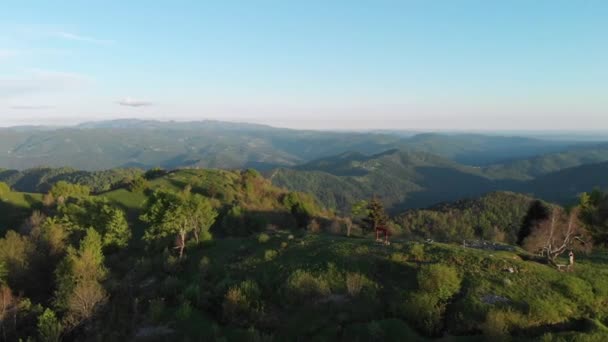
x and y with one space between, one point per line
216 144
407 170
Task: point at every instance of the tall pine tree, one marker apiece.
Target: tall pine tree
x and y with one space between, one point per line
376 215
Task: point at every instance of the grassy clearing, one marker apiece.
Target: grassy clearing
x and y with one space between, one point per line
321 287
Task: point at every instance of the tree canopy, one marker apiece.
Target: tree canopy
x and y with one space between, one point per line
178 214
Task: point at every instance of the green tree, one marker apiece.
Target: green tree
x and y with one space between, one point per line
137 184
63 189
177 214
16 252
79 276
109 221
202 215
594 214
116 229
359 209
49 327
301 207
376 215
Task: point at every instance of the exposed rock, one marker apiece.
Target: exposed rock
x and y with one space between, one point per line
147 332
494 299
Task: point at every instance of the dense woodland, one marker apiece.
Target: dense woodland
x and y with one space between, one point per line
225 255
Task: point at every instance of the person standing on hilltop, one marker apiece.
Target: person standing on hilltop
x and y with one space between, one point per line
571 259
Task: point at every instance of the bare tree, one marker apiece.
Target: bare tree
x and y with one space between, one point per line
558 233
87 297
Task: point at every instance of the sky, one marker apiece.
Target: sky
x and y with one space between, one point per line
427 64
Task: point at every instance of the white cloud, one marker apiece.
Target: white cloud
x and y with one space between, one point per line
31 107
33 81
4 53
79 38
131 102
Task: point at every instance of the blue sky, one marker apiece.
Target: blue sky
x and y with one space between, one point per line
309 64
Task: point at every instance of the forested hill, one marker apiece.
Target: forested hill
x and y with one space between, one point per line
409 179
539 165
403 179
41 180
561 186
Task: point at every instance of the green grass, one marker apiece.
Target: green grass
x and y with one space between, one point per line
538 299
16 207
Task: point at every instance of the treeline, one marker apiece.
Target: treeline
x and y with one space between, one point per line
42 179
497 216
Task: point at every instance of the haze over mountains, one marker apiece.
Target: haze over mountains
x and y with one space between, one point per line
407 170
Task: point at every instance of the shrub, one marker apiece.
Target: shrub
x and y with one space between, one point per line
498 323
399 258
417 252
334 278
204 264
356 283
156 310
193 293
303 286
170 286
495 325
425 311
335 227
184 311
242 302
441 280
396 245
313 226
263 238
284 245
270 254
171 264
437 283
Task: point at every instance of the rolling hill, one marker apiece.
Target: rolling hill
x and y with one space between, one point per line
410 179
214 144
403 179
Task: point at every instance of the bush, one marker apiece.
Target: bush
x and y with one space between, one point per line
425 311
156 310
263 238
399 258
184 311
425 308
335 227
171 286
440 280
242 302
204 264
303 286
417 252
270 254
356 283
313 226
193 293
498 323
